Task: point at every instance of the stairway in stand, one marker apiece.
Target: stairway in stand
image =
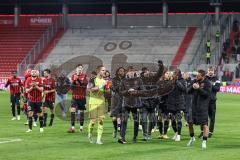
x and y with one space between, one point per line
183 46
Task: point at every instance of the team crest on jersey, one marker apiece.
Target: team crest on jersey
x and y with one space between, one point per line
34 83
15 84
47 86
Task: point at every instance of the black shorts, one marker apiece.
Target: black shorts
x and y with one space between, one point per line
163 108
200 122
176 115
49 104
15 99
147 110
162 112
116 109
116 112
35 107
79 104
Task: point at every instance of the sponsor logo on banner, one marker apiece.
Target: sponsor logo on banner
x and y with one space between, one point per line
2 86
230 89
41 21
3 81
6 22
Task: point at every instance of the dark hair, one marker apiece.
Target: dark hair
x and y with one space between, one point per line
163 74
79 65
94 73
211 68
116 73
107 71
202 72
47 70
144 69
130 68
178 72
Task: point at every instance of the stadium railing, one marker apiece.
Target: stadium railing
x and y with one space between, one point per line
200 49
40 45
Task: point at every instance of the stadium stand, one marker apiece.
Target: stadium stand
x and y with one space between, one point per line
138 44
15 43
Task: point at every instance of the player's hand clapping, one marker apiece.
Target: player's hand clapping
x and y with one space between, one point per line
75 77
132 91
195 86
94 89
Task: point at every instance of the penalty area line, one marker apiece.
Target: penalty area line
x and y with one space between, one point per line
10 140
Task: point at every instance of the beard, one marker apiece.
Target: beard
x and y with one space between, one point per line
200 79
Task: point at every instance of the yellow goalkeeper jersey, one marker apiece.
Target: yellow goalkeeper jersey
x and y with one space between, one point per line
97 98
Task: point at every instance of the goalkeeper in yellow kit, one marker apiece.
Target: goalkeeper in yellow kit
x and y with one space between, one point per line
97 107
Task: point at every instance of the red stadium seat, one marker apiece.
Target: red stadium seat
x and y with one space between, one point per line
15 43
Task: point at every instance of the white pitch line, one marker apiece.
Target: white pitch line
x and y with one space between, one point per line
10 141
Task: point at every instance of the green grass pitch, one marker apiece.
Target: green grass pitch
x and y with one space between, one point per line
56 143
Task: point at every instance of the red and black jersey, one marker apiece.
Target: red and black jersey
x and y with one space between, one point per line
25 95
15 85
79 86
34 95
27 74
49 84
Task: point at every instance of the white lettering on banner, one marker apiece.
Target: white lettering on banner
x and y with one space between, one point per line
3 81
2 86
230 89
236 90
6 22
41 21
222 89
